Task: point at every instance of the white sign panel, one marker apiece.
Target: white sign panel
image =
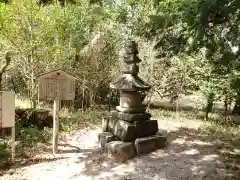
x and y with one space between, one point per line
7 109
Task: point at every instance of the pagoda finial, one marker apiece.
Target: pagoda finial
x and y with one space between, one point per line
130 58
130 81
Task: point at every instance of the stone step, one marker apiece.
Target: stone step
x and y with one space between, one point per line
105 137
149 144
105 124
120 151
161 141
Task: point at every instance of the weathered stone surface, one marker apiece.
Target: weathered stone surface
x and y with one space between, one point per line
105 137
105 124
235 119
111 124
140 109
114 115
146 128
129 82
134 117
112 121
162 132
130 117
146 144
130 99
123 130
161 141
121 151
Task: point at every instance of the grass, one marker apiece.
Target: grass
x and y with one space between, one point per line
30 139
71 121
225 135
216 125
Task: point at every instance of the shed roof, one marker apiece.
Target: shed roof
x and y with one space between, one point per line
56 71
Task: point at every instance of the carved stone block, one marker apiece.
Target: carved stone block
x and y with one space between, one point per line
121 151
146 128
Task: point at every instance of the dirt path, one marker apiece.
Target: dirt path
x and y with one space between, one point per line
188 156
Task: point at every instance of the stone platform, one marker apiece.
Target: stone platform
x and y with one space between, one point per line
124 140
122 151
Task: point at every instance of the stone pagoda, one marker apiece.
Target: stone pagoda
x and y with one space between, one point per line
129 130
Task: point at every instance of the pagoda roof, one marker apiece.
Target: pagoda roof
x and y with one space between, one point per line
129 82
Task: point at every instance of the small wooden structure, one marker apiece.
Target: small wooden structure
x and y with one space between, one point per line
56 85
7 114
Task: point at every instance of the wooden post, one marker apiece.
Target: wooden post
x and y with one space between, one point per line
177 109
13 143
56 85
55 126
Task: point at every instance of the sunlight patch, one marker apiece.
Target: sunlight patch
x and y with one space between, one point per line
191 152
202 143
211 157
179 141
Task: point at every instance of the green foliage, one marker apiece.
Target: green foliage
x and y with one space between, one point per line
49 37
81 119
31 135
186 45
3 147
205 31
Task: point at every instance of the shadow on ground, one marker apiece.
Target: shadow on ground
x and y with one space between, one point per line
191 154
24 162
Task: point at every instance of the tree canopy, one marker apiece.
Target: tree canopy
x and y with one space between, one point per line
186 45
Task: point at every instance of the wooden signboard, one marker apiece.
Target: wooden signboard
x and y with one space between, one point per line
56 85
7 114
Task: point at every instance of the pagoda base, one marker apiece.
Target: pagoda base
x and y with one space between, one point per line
132 110
149 144
146 128
120 151
130 117
124 140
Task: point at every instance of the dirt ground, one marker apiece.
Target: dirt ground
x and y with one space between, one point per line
189 155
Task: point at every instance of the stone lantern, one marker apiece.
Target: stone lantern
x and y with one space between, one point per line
129 130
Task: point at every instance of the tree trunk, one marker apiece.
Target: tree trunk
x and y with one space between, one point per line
33 103
209 107
177 109
14 85
236 109
4 68
226 107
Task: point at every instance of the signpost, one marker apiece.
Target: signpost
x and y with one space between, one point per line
56 85
7 114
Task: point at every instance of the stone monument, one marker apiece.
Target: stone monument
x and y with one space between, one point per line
129 130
